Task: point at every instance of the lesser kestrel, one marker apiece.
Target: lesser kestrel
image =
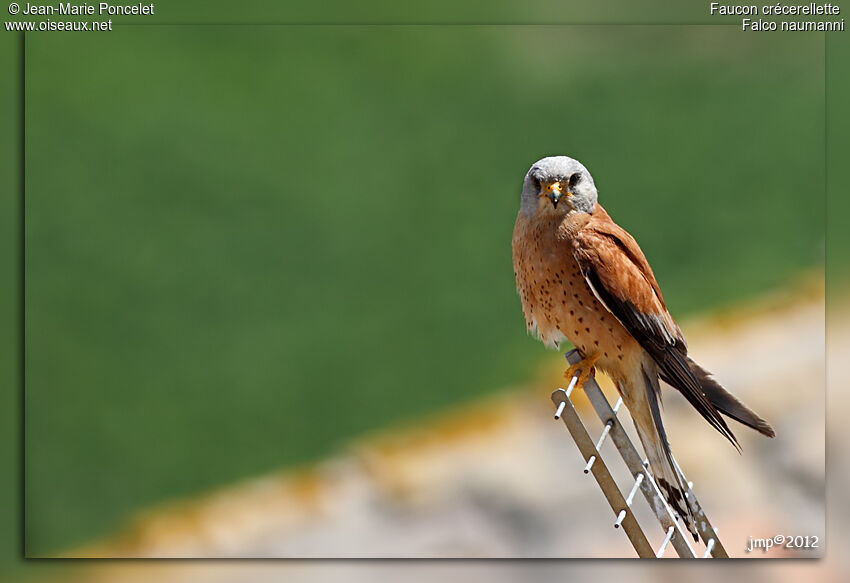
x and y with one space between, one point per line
583 278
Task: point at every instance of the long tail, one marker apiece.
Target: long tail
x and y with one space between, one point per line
727 404
724 401
641 397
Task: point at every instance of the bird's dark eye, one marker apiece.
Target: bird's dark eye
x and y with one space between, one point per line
535 181
574 179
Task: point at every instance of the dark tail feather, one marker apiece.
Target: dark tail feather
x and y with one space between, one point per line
664 469
728 404
675 370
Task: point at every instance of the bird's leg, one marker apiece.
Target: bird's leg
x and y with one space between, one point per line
584 368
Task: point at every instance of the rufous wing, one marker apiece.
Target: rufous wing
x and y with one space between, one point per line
617 271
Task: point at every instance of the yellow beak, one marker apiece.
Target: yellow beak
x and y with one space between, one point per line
553 192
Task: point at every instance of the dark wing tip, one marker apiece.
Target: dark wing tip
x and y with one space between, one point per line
727 404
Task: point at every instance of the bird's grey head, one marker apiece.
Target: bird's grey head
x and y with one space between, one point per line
559 185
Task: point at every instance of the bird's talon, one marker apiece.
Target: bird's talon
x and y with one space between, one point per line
584 369
572 371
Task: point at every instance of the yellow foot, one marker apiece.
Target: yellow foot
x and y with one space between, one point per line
583 368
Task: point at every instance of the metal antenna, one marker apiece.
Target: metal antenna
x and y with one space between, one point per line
622 507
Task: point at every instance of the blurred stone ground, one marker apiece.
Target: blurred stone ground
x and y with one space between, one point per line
501 478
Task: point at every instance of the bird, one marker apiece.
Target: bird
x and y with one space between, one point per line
583 278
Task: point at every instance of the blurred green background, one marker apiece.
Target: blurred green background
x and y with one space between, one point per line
247 245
